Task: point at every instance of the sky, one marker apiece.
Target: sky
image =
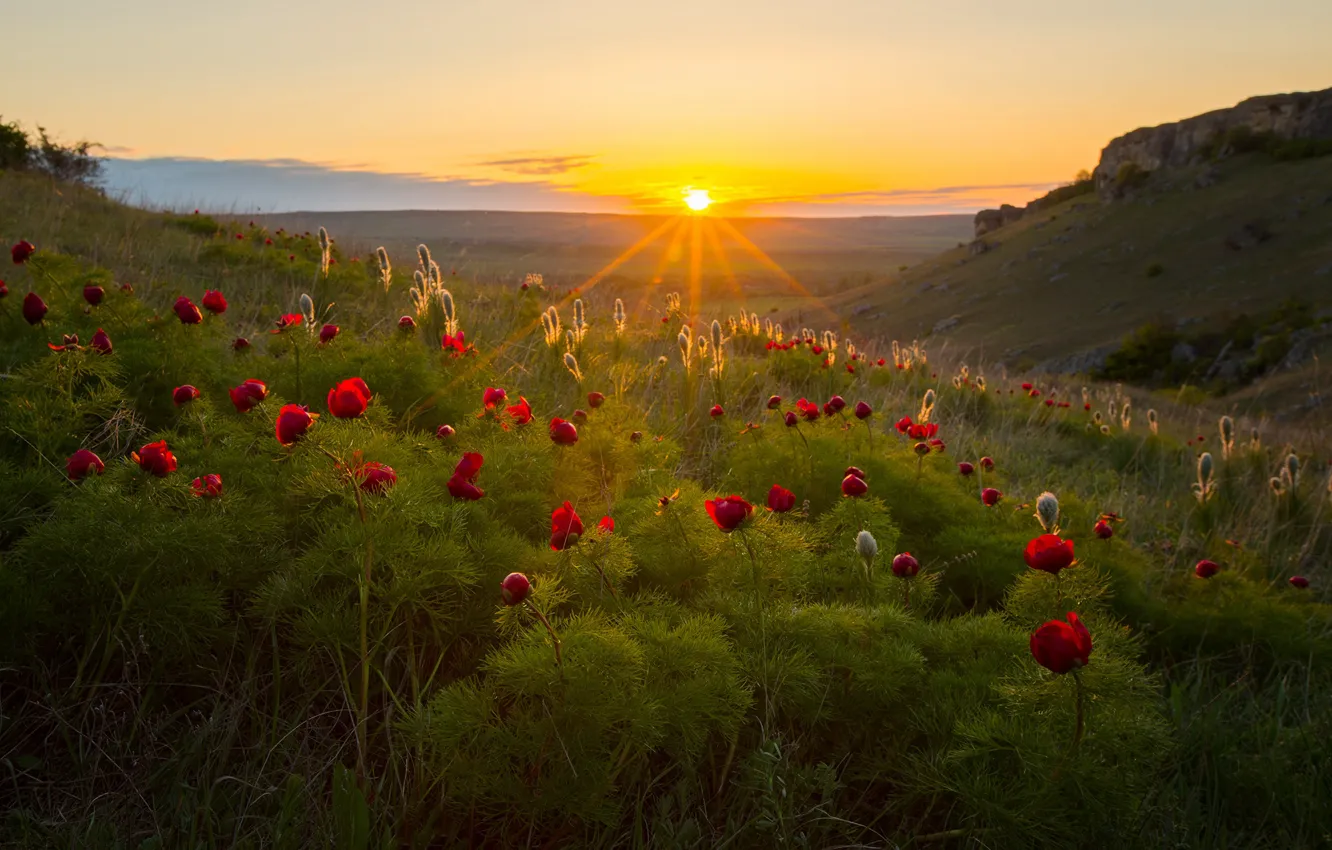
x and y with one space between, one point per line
834 107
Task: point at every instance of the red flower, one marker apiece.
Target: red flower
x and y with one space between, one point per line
790 419
837 403
854 486
818 349
1103 529
665 319
879 362
454 344
856 471
965 468
774 402
248 394
1061 646
990 497
328 333
515 588
521 413
1027 387
728 512
34 308
987 463
349 398
93 294
1048 553
22 251
780 499
156 458
287 320
563 433
208 486
187 311
636 437
921 449
293 421
595 400
461 485
807 409
828 409
444 432
493 397
716 412
903 425
376 477
863 410
606 525
101 342
240 344
905 565
1087 407
184 395
938 445
1206 568
268 241
214 302
81 463
1049 402
1299 581
922 431
565 527
580 416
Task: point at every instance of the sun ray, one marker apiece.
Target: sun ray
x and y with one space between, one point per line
710 231
695 269
772 265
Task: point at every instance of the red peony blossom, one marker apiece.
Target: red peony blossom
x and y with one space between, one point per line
987 463
990 497
1048 553
579 416
184 394
774 402
863 410
493 397
856 471
606 525
965 468
187 311
93 294
905 565
248 394
728 512
514 589
1299 581
1027 387
34 308
1049 402
565 527
903 425
1062 646
828 409
837 404
101 342
208 486
1103 529
854 486
879 362
328 333
1206 568
562 432
81 463
22 251
1087 407
716 412
349 398
376 477
444 432
780 499
807 409
240 344
595 400
456 345
214 302
293 421
156 458
521 413
922 430
287 320
462 484
938 445
790 419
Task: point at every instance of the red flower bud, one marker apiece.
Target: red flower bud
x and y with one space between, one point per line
187 312
214 302
34 308
515 588
240 344
208 486
184 395
81 463
854 486
1103 529
837 403
774 402
1299 581
562 432
606 525
22 251
595 400
565 527
790 419
248 394
444 432
921 449
965 468
349 398
406 323
328 333
293 421
1061 646
780 499
905 565
580 416
728 512
938 445
156 458
856 471
990 497
376 477
1048 553
987 463
1206 568
93 294
863 410
716 412
101 342
636 437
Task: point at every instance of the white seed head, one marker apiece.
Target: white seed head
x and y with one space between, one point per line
927 406
571 363
1047 512
866 547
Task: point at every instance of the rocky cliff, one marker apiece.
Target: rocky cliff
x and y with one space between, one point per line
1302 115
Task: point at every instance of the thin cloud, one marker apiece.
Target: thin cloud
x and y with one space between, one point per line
542 165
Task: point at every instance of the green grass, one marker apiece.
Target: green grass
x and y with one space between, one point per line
295 664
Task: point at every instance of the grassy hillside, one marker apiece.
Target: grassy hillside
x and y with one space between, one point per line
1199 246
247 627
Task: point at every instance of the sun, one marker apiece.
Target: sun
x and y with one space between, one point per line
697 200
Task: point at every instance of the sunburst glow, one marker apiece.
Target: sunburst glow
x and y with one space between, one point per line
697 200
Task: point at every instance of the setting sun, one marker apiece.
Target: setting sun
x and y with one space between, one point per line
697 200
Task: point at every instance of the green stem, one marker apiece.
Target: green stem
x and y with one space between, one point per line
1081 711
536 612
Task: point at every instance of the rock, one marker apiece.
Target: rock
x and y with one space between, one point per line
980 246
947 324
1183 353
1055 278
987 221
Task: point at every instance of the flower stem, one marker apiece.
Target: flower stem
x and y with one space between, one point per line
536 612
1080 699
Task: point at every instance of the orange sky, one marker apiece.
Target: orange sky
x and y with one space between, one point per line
821 105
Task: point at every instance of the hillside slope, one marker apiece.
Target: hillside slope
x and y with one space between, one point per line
1197 245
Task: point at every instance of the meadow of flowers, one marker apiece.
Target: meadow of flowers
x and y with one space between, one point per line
382 557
